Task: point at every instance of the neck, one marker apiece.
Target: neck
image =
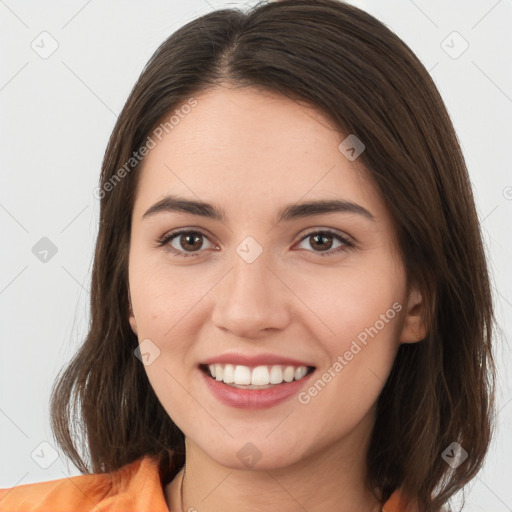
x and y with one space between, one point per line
331 479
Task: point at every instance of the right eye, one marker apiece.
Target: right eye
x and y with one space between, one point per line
187 239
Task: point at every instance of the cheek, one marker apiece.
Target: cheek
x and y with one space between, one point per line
361 318
366 339
360 357
161 296
347 302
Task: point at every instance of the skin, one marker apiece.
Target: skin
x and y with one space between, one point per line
251 152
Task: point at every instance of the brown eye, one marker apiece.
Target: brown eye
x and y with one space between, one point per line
192 241
189 243
183 242
322 242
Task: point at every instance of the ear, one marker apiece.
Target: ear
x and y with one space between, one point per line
131 317
414 322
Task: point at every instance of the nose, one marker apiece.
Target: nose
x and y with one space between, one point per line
252 298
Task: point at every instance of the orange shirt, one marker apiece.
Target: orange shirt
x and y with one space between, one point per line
134 487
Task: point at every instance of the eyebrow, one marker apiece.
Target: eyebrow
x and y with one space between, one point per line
287 213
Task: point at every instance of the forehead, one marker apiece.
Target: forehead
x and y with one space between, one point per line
252 148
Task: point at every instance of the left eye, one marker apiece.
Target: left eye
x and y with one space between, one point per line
193 240
320 237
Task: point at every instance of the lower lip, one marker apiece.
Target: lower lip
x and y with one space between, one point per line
254 398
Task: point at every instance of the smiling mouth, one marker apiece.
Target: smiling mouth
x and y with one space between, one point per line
260 377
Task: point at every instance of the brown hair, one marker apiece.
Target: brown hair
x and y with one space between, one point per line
351 67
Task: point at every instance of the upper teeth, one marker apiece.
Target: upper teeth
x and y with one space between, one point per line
260 375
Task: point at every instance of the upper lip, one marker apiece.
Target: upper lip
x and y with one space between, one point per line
255 360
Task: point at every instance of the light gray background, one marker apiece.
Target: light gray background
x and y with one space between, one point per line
57 115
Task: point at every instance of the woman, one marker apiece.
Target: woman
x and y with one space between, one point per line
290 305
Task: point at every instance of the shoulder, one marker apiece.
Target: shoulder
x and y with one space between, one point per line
398 502
135 486
72 493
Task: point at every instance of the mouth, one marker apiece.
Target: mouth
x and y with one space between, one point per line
256 377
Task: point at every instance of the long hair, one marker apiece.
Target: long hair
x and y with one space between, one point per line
355 70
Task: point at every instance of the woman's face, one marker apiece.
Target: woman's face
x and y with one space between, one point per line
254 284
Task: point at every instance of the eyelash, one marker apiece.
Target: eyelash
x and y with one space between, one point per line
164 242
